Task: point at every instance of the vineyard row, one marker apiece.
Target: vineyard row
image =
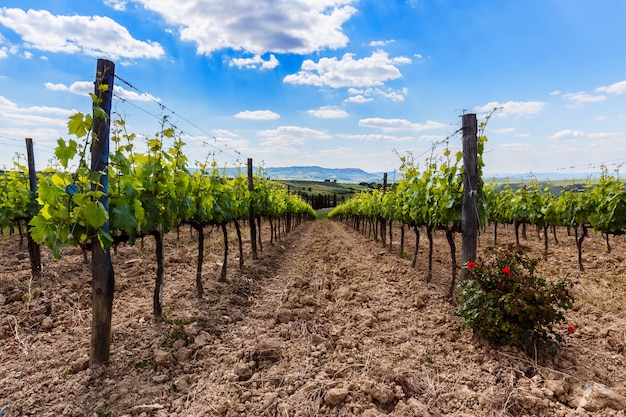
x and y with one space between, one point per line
432 199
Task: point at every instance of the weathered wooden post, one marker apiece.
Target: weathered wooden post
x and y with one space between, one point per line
252 213
103 277
470 191
34 250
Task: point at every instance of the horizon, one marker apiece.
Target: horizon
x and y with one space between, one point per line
333 84
539 176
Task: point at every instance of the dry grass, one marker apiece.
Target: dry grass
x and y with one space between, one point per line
307 400
427 385
304 328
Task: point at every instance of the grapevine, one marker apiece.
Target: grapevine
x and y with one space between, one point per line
150 193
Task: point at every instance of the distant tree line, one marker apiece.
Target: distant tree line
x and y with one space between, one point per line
321 201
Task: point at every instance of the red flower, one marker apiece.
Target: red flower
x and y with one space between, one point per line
507 270
471 264
571 329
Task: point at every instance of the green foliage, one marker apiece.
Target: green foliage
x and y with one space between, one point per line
178 332
504 302
529 204
149 361
148 191
79 124
16 200
432 196
65 151
70 213
600 205
104 411
607 212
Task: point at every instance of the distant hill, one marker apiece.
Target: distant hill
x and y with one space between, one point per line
315 173
357 175
541 176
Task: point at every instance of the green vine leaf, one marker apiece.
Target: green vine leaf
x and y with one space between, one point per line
65 151
79 124
95 214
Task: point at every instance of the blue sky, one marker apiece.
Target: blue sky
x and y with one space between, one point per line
334 83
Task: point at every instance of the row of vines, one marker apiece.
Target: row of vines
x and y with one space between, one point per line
430 198
599 205
151 192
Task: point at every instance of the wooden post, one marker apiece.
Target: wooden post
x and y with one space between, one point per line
252 214
103 277
34 250
470 191
383 221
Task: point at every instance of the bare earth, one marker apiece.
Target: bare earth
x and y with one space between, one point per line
325 323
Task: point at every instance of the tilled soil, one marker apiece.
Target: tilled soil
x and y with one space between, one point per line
326 323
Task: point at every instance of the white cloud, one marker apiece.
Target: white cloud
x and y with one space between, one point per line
566 134
358 99
328 112
583 97
569 134
95 36
381 43
617 88
521 108
257 115
291 135
254 62
119 5
516 146
132 95
25 119
5 49
337 153
504 131
83 88
56 87
11 113
555 93
386 93
224 133
372 71
376 137
7 105
28 55
393 125
393 95
225 140
258 26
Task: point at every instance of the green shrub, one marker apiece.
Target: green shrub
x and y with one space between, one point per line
503 301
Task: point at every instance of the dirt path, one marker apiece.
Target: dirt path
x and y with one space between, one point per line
325 323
